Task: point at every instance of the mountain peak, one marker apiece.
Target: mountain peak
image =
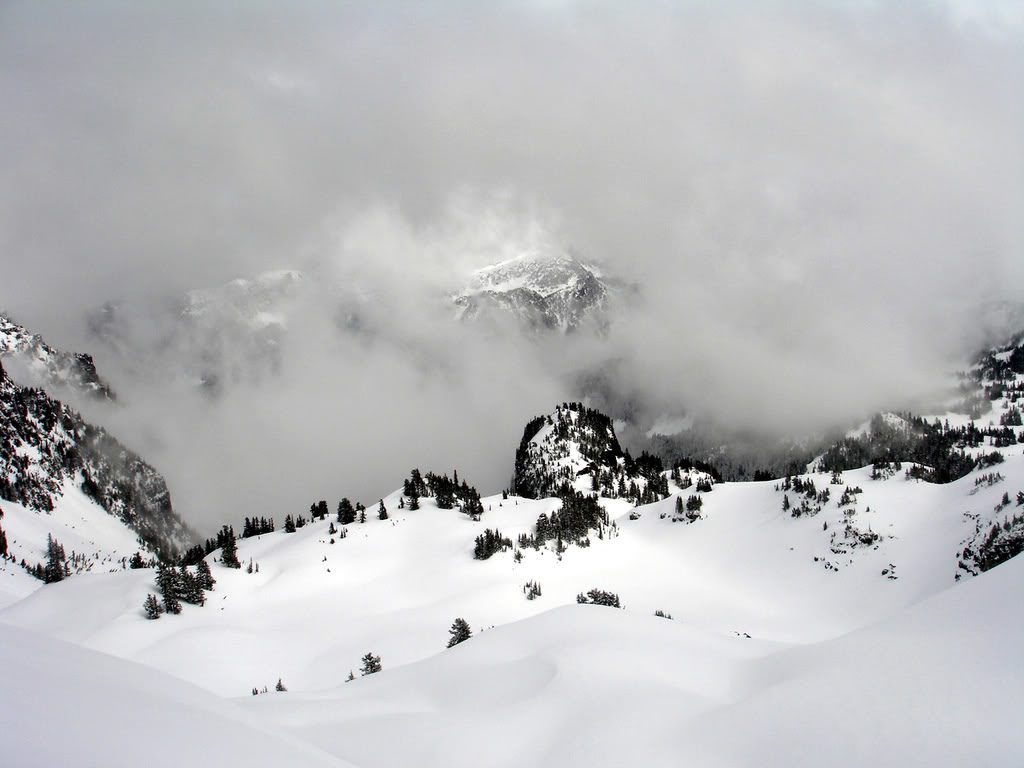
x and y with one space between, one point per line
543 290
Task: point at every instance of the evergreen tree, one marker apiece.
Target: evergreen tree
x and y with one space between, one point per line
382 512
289 524
280 686
362 515
414 502
56 565
371 664
167 582
460 632
152 607
229 554
191 587
204 576
136 561
3 543
346 512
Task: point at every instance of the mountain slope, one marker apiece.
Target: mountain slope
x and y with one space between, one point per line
63 478
48 366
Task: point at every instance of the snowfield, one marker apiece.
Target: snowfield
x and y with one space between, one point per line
778 650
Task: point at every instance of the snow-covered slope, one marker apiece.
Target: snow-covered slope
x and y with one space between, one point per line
49 367
593 686
393 586
65 705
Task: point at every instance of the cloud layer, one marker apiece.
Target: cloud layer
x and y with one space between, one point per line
813 198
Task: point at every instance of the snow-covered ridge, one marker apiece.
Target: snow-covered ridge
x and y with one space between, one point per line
48 366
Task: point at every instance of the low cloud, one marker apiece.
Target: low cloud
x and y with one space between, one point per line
813 199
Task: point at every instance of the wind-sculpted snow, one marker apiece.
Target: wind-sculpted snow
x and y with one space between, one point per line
66 705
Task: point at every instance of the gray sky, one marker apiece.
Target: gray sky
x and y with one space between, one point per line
814 197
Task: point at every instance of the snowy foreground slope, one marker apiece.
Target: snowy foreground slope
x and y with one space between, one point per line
65 705
585 685
578 685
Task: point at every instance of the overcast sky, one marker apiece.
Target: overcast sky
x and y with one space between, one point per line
814 197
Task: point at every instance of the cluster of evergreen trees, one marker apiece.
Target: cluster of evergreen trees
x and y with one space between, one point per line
56 568
690 511
225 540
177 585
489 543
599 597
936 446
348 514
446 492
1001 542
3 538
570 524
256 527
318 511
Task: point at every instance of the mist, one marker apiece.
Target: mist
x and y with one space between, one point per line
815 202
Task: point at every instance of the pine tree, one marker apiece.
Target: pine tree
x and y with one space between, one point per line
346 512
382 512
362 515
289 524
351 677
280 686
371 664
460 632
414 502
152 607
229 555
136 561
190 589
3 543
204 576
56 564
167 582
